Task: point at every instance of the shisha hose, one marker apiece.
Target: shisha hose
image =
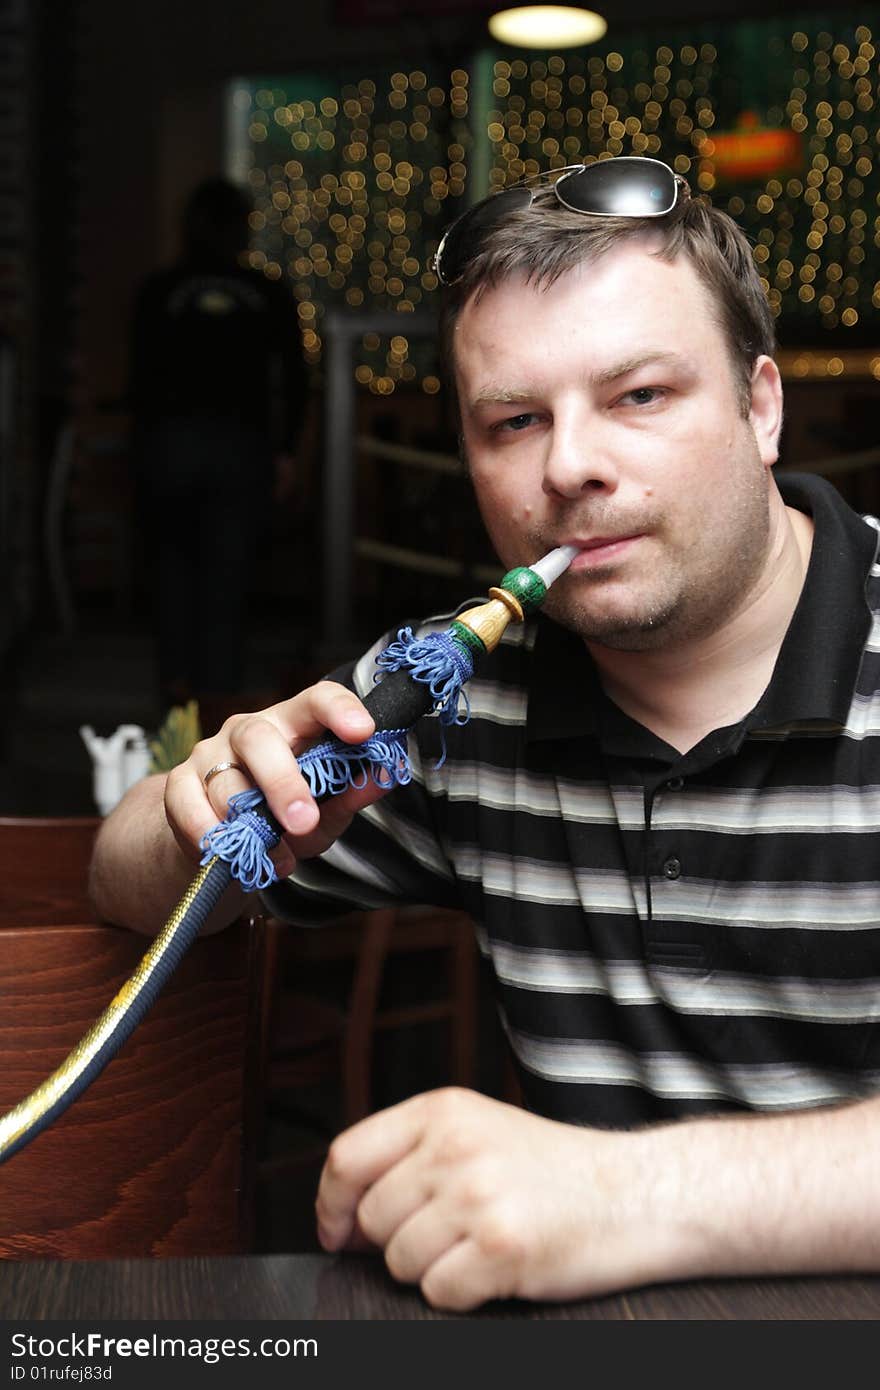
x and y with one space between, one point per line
421 677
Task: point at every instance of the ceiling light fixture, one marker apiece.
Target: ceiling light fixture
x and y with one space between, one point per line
547 26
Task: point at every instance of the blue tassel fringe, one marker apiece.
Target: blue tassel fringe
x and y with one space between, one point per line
243 841
438 662
329 768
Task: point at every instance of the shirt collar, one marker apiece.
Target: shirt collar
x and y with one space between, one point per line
818 662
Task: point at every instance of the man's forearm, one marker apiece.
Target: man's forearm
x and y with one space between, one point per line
762 1195
139 872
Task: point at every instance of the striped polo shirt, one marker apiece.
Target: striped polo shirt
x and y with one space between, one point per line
670 934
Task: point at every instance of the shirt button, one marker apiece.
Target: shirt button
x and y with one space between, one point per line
672 868
675 784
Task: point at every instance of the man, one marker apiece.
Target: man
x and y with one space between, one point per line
219 389
658 814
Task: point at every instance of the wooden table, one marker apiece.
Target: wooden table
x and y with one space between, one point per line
325 1287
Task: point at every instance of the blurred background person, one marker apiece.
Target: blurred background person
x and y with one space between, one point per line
218 394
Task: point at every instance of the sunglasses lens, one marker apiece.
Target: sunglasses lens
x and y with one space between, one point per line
626 187
466 236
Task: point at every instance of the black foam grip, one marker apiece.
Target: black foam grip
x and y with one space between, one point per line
397 701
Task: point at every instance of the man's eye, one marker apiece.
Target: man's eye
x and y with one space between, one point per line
643 395
515 422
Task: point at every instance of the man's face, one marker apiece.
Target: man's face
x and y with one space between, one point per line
603 411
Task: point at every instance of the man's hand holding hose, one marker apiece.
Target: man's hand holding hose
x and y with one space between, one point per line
175 810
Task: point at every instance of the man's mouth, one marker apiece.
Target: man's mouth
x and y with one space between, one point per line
597 551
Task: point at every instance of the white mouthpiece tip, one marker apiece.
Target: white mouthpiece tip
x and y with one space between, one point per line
554 563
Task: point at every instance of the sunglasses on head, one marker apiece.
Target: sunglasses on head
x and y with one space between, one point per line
627 186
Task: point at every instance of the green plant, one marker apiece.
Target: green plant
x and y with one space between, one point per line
176 738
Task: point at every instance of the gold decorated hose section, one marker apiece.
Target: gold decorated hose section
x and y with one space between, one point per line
489 620
30 1111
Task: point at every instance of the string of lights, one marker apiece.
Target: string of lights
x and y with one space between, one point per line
354 183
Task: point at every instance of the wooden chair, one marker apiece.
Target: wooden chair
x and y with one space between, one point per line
44 862
156 1157
308 1040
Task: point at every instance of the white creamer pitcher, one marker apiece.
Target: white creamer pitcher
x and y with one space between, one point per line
117 762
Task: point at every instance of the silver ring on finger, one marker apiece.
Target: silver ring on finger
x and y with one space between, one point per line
221 767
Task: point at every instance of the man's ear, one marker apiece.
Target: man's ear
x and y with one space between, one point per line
765 414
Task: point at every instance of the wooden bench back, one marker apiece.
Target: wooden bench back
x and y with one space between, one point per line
156 1157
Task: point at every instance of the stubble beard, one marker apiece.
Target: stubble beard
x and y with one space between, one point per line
644 627
685 610
576 601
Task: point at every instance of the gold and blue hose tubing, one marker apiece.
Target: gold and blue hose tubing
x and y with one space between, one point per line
416 676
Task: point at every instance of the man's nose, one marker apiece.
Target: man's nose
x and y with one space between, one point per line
577 461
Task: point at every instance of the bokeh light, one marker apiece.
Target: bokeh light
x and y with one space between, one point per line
354 181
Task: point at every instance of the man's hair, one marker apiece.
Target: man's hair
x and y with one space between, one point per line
545 240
